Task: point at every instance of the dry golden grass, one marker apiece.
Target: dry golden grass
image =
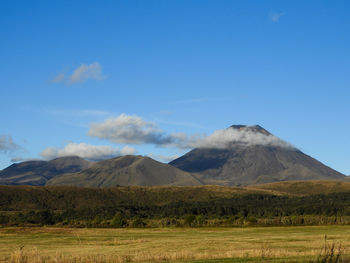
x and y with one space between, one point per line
66 245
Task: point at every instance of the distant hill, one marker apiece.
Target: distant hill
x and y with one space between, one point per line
127 170
39 172
267 159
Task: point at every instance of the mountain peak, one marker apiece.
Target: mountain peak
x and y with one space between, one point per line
251 128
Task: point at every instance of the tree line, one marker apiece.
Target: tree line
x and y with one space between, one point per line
123 208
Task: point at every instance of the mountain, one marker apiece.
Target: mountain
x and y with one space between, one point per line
127 170
244 155
237 156
39 172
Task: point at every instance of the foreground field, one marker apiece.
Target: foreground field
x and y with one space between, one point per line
259 244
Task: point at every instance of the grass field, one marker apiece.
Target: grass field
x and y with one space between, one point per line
253 244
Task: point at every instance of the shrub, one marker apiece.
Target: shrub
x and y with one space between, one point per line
331 253
118 220
200 220
138 222
4 219
252 220
190 220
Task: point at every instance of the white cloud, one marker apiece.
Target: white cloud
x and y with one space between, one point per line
132 129
7 144
135 130
275 17
81 74
86 151
127 150
245 136
85 72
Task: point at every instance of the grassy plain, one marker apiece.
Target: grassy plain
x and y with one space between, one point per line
250 244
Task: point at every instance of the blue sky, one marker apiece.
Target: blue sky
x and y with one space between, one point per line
188 67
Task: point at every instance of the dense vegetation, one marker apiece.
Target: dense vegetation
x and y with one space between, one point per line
169 206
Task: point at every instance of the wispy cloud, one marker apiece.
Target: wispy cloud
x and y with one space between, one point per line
86 72
23 159
86 151
7 144
9 148
76 117
59 78
275 16
81 74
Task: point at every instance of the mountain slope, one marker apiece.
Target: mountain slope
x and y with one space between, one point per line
241 162
127 170
303 188
38 172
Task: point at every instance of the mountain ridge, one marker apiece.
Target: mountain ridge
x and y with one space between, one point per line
38 172
127 170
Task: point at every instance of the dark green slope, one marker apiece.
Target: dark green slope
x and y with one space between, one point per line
17 198
19 204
